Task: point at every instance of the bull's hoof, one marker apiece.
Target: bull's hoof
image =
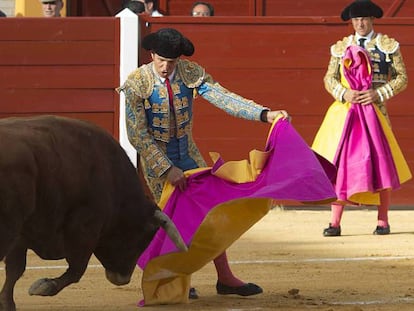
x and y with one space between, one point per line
44 287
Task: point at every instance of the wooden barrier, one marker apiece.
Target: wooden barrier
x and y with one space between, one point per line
65 66
71 66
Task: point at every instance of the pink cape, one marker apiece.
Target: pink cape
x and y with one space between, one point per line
364 159
213 212
359 141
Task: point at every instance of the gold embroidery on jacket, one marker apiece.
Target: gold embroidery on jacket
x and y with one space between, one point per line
386 44
191 73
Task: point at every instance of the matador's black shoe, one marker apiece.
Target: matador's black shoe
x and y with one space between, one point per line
382 230
193 293
332 231
248 289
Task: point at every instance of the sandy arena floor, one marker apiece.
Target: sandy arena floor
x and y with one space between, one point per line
286 254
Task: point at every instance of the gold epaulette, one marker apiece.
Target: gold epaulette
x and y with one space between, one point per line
386 44
338 49
141 80
191 73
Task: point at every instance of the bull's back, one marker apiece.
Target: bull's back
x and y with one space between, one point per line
63 172
62 149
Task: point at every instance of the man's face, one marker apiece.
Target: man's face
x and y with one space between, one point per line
164 66
52 8
201 10
363 25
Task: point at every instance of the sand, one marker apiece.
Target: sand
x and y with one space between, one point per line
286 254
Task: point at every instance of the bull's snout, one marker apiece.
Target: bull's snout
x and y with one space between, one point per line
116 278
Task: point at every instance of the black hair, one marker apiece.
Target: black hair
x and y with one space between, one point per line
126 2
135 6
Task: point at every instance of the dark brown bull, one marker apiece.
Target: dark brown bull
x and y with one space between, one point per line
68 190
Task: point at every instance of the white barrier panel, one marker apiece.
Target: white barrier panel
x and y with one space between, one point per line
128 62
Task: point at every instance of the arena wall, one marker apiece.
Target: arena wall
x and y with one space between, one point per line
70 66
64 66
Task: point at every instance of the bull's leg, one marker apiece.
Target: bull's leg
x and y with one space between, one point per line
15 266
52 286
78 251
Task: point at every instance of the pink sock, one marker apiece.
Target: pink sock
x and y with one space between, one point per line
385 199
224 273
336 214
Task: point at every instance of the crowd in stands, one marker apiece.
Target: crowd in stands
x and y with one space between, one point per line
150 7
53 8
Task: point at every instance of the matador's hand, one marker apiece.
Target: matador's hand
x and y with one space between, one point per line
176 178
367 97
361 97
351 96
272 115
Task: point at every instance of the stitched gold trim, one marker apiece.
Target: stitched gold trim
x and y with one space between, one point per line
191 73
141 81
386 44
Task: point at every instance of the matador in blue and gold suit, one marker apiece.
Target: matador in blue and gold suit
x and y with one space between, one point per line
162 136
159 119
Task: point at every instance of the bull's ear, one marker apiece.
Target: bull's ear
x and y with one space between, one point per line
172 231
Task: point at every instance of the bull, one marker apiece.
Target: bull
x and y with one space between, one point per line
67 191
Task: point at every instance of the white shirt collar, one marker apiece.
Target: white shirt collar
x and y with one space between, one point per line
368 36
170 77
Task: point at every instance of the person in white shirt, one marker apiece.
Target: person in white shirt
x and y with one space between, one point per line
151 7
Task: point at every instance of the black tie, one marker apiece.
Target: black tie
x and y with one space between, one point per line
361 42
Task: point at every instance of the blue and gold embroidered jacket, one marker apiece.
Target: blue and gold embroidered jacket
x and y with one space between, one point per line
151 124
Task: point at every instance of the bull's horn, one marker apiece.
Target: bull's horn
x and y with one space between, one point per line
169 227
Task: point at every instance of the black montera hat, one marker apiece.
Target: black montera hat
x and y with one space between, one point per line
168 43
361 8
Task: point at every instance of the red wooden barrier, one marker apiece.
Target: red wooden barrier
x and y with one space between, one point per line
65 66
70 66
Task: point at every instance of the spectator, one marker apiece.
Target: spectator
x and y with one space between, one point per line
2 14
135 6
151 7
51 8
201 9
